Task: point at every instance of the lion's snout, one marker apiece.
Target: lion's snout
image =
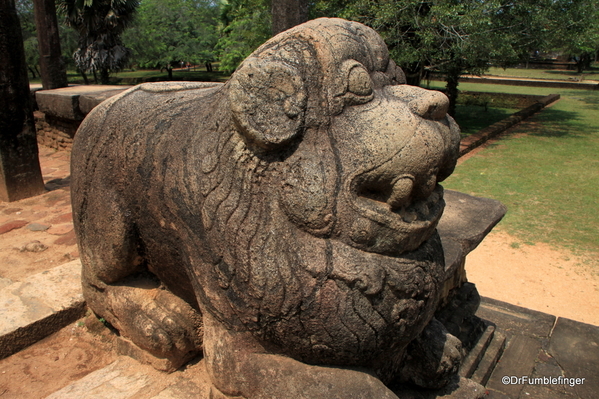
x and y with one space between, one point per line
428 104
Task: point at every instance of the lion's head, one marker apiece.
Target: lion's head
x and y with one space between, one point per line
322 216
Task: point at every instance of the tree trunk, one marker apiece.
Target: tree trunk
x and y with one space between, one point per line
20 173
104 76
288 13
451 89
53 70
84 76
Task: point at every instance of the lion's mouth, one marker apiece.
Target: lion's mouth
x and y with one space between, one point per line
389 226
418 213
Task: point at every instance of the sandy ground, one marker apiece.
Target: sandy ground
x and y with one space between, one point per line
538 277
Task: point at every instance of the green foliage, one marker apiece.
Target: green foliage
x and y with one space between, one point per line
436 35
172 31
576 31
27 20
246 24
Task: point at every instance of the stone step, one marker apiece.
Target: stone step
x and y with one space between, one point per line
489 360
473 359
38 306
126 378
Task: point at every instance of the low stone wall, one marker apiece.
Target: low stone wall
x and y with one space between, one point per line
53 132
474 140
531 83
60 111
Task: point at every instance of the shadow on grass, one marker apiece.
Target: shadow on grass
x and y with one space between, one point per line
551 122
590 97
473 118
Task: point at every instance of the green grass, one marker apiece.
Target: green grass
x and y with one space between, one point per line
543 73
546 171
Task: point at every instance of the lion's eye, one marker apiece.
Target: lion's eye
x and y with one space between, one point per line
359 81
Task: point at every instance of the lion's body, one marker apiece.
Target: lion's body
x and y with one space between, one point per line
266 207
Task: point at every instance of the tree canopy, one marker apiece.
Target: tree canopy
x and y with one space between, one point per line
449 37
246 24
173 30
100 24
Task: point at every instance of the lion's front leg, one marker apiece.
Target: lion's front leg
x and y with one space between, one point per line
118 287
240 367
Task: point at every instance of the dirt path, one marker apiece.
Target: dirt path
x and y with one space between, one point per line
538 277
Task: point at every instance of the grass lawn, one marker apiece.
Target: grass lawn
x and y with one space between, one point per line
546 171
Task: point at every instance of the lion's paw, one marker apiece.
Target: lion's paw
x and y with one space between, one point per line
156 320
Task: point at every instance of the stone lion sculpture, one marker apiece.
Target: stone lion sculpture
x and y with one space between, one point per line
284 222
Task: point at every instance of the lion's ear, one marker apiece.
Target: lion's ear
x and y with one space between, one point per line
268 101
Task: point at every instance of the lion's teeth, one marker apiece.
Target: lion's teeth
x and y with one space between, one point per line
408 216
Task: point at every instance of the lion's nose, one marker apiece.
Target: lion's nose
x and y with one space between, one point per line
429 104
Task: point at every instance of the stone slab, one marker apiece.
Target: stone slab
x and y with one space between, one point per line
489 361
39 306
575 346
465 222
518 360
476 354
127 379
87 102
66 103
515 319
467 219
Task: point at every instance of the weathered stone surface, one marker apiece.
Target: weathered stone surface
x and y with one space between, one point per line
67 103
42 304
287 218
126 379
114 381
88 101
575 346
467 219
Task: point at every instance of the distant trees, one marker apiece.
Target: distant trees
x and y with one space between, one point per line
450 37
99 24
577 29
246 24
173 30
